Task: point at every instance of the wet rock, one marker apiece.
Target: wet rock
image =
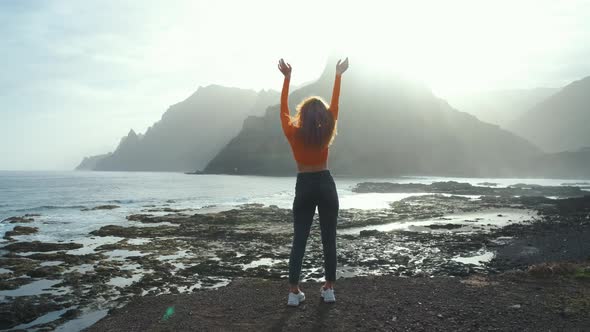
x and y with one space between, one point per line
135 232
24 309
18 265
16 219
458 188
487 184
578 206
13 283
38 246
71 314
165 209
47 272
211 267
68 259
138 217
453 268
444 226
101 207
371 232
20 230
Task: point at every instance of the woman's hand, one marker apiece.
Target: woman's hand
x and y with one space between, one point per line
285 68
341 67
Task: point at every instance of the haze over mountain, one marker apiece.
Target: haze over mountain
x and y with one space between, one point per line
89 163
566 164
387 126
561 122
189 134
501 107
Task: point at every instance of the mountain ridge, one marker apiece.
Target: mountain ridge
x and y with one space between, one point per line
188 134
372 106
502 106
559 123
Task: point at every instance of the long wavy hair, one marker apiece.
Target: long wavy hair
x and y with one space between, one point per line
315 123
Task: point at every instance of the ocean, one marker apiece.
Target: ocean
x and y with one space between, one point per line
59 197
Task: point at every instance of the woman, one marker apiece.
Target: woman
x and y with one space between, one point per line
310 134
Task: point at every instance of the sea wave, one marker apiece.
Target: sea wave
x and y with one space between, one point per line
51 207
122 201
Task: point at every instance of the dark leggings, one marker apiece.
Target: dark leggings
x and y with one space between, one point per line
314 189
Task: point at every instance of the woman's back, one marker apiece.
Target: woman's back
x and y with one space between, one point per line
313 128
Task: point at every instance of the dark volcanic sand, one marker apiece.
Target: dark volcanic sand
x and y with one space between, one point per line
507 302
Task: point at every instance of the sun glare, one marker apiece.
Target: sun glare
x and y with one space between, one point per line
451 46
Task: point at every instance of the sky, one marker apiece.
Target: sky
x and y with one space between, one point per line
78 75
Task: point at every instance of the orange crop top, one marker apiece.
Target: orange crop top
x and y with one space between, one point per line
301 154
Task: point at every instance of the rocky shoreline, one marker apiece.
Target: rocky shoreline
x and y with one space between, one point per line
484 188
168 251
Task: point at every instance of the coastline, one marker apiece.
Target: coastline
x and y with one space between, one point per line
162 251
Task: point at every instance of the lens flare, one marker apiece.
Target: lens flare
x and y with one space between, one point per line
169 312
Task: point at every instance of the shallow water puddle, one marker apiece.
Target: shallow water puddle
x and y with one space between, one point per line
177 255
369 201
34 288
82 268
122 254
51 263
91 243
262 261
482 257
469 220
124 282
139 241
48 317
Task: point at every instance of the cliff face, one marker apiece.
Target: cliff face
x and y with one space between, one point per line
387 126
190 133
89 163
560 122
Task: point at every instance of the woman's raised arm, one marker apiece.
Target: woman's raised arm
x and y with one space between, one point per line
341 67
288 129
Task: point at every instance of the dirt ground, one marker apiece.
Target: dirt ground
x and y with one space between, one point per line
506 302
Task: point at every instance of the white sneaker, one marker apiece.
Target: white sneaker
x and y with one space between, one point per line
295 299
328 295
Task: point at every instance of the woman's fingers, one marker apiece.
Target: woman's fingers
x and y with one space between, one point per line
341 66
282 63
285 68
